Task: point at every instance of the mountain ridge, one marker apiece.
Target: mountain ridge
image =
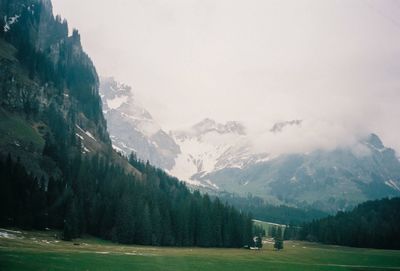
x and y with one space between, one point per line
221 157
132 127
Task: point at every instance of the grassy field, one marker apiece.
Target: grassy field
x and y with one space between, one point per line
42 251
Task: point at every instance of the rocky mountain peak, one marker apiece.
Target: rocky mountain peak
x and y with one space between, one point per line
112 88
375 141
209 125
132 128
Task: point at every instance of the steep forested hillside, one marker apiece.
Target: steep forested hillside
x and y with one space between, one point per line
100 199
57 166
371 224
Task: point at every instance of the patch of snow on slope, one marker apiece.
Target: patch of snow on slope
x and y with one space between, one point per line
86 133
90 135
195 183
9 234
393 185
80 137
8 22
117 102
80 129
184 167
120 146
201 154
264 159
197 156
115 147
211 184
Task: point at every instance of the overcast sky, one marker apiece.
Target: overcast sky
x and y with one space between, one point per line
334 64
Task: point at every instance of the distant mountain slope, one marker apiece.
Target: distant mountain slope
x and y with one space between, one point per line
133 129
218 157
327 180
209 146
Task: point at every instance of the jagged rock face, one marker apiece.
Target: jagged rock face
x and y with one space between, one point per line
211 126
43 73
133 129
187 154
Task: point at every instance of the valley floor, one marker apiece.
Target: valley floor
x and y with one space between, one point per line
21 250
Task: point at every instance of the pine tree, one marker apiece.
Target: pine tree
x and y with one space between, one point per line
71 222
278 245
124 229
156 226
146 226
258 242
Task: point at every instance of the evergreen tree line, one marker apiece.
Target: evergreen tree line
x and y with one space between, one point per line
98 198
263 211
22 196
373 224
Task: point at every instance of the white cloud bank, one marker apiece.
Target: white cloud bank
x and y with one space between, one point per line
334 64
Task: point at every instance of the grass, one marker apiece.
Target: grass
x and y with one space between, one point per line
41 251
16 130
7 51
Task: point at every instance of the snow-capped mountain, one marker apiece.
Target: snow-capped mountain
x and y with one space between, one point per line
188 154
209 146
133 129
222 157
327 180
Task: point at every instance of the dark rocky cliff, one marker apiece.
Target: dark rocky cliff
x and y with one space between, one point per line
50 86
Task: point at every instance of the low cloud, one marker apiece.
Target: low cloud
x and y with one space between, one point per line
333 64
310 136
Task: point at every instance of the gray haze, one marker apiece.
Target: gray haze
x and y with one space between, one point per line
333 64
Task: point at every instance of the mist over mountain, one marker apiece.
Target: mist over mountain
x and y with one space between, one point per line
326 174
258 62
327 180
133 129
279 126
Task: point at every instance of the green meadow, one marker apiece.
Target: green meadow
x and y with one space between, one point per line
20 250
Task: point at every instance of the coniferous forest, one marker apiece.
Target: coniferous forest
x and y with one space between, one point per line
100 199
372 224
